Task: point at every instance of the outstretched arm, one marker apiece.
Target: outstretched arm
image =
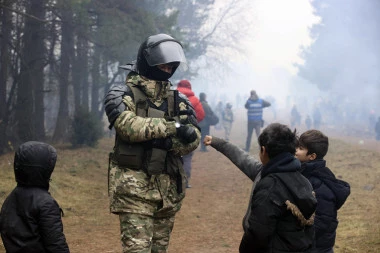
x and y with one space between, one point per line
245 162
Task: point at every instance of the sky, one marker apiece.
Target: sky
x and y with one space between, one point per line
279 29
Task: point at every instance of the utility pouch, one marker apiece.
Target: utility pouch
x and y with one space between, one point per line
154 113
129 155
155 161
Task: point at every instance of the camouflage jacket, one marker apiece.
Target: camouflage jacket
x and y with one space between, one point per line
130 190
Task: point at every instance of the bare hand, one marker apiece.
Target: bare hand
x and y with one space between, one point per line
207 140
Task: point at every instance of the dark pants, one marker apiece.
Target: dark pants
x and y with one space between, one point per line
204 131
252 125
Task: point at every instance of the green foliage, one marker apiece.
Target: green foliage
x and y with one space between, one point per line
86 129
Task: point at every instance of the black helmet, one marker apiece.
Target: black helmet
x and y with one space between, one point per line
34 163
155 50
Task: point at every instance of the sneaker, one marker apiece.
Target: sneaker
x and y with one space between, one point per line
188 186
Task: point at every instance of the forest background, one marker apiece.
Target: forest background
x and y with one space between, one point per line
58 58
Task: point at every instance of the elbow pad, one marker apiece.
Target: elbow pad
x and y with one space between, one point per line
113 102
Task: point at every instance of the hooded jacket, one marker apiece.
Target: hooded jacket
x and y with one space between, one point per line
282 208
269 197
210 117
331 194
30 218
184 86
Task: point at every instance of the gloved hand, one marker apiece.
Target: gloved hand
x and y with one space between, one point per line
186 134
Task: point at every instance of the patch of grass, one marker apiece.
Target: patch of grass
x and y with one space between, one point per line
79 184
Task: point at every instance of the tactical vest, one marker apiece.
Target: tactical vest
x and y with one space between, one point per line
142 156
255 110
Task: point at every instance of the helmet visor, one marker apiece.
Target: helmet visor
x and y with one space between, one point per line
165 52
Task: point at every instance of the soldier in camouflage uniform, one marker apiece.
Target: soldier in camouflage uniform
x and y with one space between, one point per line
154 126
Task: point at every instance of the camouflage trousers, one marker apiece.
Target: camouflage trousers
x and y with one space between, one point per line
145 234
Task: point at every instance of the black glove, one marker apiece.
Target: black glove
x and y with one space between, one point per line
186 134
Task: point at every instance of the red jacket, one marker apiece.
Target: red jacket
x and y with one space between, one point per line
184 87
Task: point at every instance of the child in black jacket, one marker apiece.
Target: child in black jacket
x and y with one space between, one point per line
30 219
331 192
282 205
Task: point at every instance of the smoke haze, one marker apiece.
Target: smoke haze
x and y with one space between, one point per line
314 54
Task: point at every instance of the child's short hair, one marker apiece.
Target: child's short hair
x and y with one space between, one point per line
278 138
315 142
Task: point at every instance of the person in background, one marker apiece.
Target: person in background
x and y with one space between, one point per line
331 192
184 86
228 118
30 218
280 216
377 129
254 106
317 118
219 108
210 119
308 122
155 126
371 119
295 117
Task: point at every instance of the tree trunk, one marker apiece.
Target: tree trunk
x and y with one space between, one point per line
38 76
95 78
61 132
6 26
84 81
31 73
80 75
77 74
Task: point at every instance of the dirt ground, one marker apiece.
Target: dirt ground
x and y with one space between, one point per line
212 211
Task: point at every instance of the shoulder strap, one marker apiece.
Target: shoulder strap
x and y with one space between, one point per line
140 100
172 97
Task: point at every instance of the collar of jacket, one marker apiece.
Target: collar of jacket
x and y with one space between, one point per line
152 88
314 167
284 162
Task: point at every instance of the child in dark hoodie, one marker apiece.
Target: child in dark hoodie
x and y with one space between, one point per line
30 218
281 212
331 192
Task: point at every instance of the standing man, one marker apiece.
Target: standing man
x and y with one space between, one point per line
184 86
210 119
317 118
254 106
228 118
154 126
377 129
295 117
